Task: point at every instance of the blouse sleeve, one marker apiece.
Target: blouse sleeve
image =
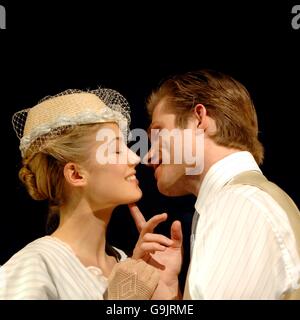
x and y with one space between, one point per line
25 276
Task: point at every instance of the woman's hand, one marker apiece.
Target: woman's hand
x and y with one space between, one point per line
132 280
150 242
160 252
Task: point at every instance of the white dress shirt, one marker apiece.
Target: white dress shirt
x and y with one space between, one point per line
244 247
47 268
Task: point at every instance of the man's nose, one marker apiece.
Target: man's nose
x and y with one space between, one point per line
151 158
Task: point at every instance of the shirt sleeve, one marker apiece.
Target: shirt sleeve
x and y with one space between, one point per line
25 276
236 254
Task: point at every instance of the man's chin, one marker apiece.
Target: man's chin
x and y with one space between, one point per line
170 190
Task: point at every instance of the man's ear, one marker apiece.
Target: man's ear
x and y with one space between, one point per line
75 175
201 116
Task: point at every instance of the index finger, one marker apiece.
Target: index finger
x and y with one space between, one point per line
152 223
137 216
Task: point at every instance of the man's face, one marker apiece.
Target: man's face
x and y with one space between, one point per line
170 175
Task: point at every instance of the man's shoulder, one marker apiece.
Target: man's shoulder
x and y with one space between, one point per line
247 194
243 202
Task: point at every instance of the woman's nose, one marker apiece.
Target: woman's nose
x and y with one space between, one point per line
133 158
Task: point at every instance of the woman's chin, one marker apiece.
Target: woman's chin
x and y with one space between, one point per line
131 198
139 196
136 197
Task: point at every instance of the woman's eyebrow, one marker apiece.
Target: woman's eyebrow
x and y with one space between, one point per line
119 139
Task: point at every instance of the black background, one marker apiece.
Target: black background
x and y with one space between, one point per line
50 47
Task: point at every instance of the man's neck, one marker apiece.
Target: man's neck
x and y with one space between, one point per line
212 154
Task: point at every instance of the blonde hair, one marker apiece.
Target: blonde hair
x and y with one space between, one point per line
226 100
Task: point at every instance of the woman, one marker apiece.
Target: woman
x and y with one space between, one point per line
67 161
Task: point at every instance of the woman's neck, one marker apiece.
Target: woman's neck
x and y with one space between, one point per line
84 230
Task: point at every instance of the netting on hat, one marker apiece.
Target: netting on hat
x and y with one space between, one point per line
55 120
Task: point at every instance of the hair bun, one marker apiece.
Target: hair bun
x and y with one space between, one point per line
29 180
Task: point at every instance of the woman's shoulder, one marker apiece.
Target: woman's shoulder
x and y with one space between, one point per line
35 252
29 253
25 274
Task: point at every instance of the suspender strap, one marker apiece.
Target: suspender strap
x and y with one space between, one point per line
256 179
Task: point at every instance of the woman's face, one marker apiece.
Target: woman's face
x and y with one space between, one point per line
111 170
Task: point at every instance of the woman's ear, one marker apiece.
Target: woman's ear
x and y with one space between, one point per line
201 116
75 175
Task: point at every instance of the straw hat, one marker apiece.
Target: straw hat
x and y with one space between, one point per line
54 114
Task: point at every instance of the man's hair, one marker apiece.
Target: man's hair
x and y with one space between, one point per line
226 100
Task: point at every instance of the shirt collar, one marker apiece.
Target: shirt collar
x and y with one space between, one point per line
222 172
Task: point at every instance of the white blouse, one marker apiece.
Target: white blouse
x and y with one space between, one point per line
47 268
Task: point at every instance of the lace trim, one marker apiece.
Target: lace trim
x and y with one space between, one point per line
86 117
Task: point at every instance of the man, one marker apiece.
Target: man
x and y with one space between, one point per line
243 244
